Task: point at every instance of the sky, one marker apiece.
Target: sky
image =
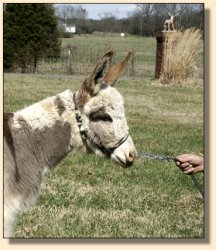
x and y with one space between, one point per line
96 11
119 10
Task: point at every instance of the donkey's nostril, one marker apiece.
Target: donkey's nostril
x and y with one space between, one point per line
130 158
132 155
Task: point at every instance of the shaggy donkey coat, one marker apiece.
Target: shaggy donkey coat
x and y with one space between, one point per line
38 137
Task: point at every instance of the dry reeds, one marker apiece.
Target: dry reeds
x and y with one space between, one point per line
180 56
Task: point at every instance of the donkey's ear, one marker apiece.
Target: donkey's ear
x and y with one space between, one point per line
102 68
94 82
116 70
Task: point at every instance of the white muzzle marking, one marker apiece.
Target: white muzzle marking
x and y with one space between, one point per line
125 153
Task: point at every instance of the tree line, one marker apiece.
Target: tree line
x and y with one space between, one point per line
32 31
145 20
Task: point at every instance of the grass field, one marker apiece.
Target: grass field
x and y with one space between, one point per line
89 197
85 52
86 49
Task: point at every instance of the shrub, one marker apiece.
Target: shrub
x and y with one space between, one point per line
180 57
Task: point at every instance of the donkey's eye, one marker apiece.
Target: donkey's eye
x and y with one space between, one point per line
95 117
106 118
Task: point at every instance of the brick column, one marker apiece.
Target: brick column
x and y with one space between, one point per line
160 37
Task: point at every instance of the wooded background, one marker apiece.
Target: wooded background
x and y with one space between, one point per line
35 39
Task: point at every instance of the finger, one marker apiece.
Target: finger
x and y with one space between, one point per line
198 169
188 171
184 165
178 163
185 157
185 169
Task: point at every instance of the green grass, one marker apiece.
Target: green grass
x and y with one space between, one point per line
89 197
87 49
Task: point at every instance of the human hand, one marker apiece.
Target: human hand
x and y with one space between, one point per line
190 163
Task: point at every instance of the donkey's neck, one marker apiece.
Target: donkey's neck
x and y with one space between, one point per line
50 127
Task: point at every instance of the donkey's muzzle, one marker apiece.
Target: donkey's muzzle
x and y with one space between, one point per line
125 154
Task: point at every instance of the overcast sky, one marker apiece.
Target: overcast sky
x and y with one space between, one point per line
96 11
119 10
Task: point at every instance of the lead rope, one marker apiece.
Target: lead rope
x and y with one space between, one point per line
170 159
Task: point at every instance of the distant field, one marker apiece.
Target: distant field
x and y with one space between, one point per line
88 197
86 49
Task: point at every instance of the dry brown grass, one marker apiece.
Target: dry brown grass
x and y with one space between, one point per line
180 57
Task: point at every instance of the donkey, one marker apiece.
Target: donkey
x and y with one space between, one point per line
38 137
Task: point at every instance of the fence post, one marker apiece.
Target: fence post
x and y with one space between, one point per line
132 68
70 63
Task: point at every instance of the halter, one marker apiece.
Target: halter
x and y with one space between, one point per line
84 134
109 151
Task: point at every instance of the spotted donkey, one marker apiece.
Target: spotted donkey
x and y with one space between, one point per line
38 137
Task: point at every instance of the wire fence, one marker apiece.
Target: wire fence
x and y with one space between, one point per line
80 53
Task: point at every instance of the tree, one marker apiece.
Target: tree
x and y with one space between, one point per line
154 15
64 11
108 22
145 20
70 11
30 33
